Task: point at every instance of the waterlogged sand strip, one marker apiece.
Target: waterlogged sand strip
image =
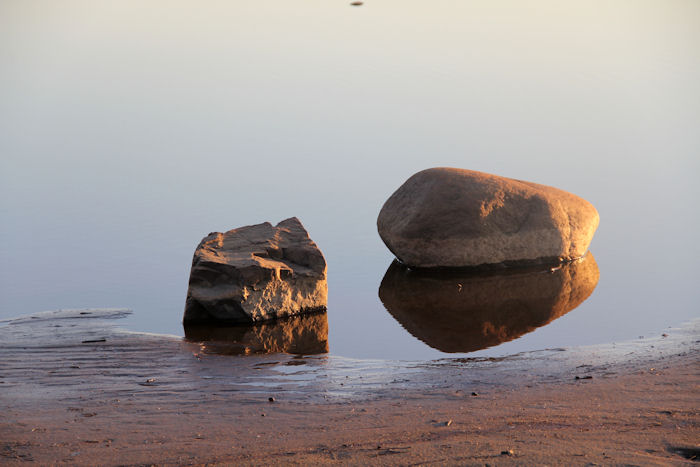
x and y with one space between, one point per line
134 399
72 351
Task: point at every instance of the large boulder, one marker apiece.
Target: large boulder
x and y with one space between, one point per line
461 310
445 217
256 273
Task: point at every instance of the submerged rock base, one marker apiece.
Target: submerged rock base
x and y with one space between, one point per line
305 335
465 311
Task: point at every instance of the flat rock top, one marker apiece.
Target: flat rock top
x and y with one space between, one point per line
286 246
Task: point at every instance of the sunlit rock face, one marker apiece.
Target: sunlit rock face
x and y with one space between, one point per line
465 311
256 273
305 335
446 217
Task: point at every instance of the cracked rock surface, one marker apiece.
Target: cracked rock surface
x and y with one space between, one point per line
256 273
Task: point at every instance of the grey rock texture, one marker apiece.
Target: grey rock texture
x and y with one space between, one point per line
256 273
464 311
445 217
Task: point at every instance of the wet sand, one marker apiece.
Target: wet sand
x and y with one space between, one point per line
134 399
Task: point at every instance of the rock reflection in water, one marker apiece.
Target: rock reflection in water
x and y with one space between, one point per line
464 311
306 335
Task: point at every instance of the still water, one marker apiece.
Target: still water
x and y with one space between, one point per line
129 130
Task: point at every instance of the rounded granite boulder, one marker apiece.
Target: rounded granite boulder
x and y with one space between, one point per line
446 217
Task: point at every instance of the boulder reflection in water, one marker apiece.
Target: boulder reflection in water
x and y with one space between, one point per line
305 335
464 311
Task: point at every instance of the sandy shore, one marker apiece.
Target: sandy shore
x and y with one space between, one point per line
141 400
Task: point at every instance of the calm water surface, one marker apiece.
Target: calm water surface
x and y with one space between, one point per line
129 130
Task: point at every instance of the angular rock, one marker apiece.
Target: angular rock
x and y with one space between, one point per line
464 311
305 335
256 273
445 217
